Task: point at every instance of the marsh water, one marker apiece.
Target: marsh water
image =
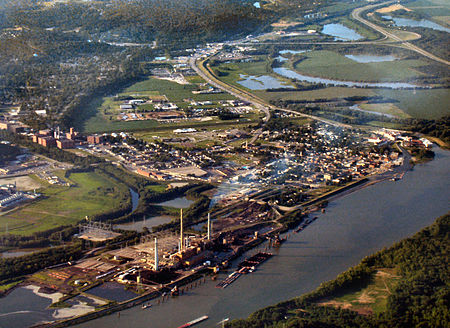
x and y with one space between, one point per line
341 32
180 202
286 72
399 21
138 225
261 82
371 58
134 199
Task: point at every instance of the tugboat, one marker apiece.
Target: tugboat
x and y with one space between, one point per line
174 291
277 241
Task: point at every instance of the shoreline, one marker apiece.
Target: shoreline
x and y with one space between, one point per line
345 190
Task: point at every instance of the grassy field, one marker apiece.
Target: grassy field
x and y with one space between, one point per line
433 8
430 104
424 103
230 72
325 93
387 108
387 125
203 127
100 115
371 299
88 194
317 63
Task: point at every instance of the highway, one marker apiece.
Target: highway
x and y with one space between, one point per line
197 65
240 94
356 14
389 38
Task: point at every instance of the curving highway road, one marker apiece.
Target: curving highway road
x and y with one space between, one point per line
207 75
356 14
198 66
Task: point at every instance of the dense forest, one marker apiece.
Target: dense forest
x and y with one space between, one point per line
436 128
419 299
57 57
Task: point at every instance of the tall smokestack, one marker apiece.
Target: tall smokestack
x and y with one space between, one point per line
156 255
181 231
209 226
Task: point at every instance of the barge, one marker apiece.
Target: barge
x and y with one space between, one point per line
194 322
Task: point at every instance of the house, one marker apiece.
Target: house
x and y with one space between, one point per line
126 107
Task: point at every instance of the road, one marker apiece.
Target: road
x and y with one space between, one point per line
356 14
240 94
197 65
262 105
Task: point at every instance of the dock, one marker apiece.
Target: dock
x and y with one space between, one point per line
247 266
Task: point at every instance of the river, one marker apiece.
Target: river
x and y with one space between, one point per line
134 199
286 72
353 226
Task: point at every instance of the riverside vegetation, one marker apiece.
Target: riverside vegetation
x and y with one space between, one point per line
417 297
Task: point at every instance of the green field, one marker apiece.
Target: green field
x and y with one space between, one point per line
325 93
89 193
100 115
420 103
318 63
385 108
371 299
230 72
429 104
208 126
433 8
424 103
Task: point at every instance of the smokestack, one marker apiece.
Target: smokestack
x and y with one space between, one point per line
181 231
156 255
209 226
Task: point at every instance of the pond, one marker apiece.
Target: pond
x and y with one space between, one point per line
145 222
283 52
134 199
283 71
398 21
180 202
112 291
24 307
341 32
371 58
262 82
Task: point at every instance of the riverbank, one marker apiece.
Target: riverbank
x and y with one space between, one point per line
364 288
334 194
337 198
253 243
354 226
163 290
